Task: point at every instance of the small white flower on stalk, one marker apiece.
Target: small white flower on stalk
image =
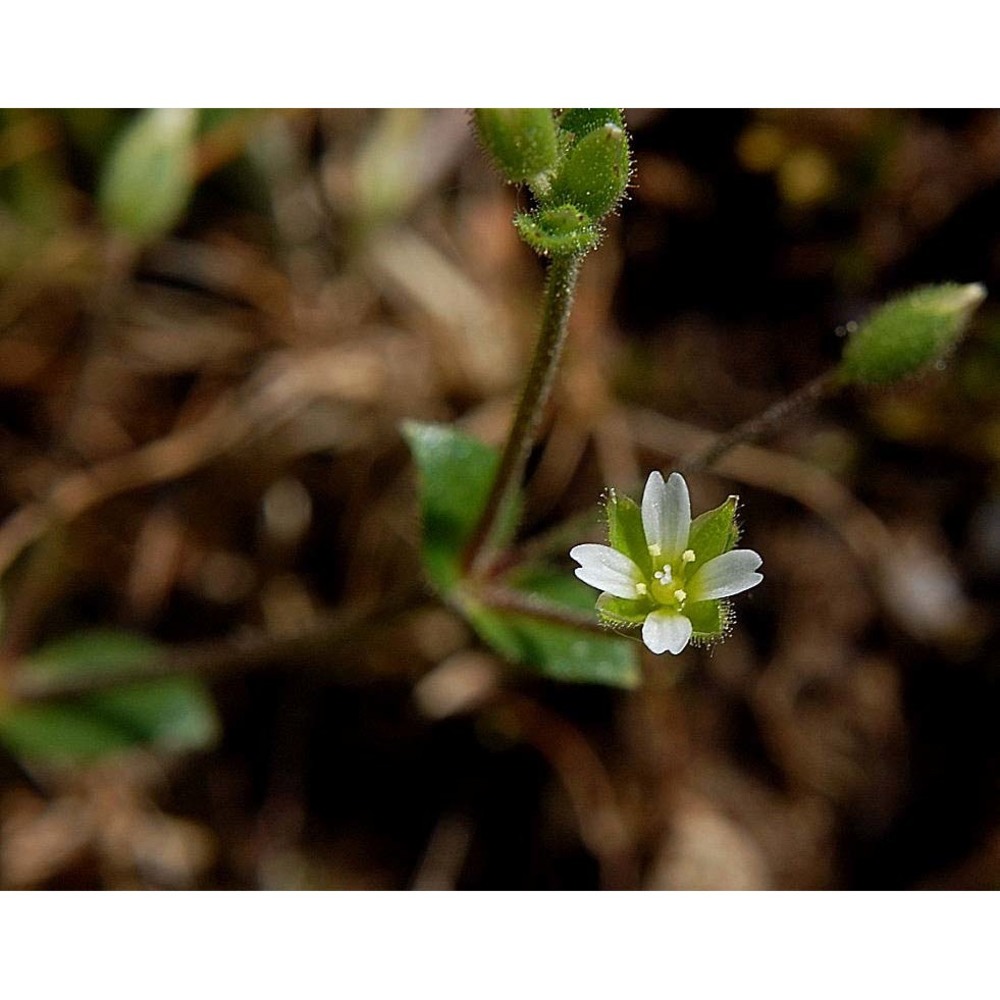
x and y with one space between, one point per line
664 571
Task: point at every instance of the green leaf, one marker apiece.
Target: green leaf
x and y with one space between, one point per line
456 472
909 333
561 652
149 177
61 734
88 653
172 714
714 532
625 530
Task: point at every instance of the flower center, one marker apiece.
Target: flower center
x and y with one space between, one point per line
667 585
666 588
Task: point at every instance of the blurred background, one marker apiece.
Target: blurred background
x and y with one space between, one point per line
211 328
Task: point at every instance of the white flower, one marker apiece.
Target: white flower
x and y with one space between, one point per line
678 578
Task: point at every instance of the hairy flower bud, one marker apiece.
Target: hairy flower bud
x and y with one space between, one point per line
595 173
521 141
909 333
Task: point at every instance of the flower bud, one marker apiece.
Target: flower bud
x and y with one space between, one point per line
578 122
522 141
596 170
908 333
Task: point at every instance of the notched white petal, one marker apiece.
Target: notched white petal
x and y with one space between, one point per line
607 569
666 513
725 575
652 505
666 632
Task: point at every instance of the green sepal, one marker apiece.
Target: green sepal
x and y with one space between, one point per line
149 178
620 611
714 532
595 173
909 333
555 232
710 620
578 122
522 141
625 530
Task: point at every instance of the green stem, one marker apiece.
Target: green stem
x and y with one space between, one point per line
516 602
559 288
764 423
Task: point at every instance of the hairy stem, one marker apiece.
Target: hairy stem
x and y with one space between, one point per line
500 598
764 423
559 288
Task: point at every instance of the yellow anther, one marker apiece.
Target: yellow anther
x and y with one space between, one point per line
681 596
688 556
640 588
655 550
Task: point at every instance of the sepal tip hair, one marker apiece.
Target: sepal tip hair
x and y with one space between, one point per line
908 334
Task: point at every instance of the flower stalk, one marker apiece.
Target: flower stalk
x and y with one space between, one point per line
765 423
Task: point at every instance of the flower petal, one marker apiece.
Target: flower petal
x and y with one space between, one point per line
666 631
725 575
666 513
607 569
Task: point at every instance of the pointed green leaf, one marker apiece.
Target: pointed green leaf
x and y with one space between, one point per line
455 473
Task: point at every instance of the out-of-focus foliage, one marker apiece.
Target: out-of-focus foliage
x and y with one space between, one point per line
149 178
171 714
